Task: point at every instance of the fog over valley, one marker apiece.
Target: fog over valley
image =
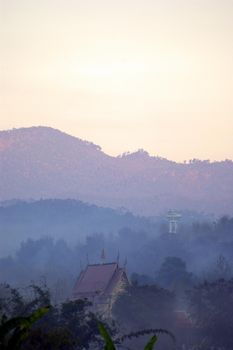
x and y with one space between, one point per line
116 175
112 237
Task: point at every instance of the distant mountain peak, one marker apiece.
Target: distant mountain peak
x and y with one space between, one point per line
40 131
139 154
42 162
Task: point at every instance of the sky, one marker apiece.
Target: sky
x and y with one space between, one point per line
129 74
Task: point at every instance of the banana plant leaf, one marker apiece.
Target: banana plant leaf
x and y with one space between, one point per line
14 331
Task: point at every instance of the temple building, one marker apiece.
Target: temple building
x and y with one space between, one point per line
101 284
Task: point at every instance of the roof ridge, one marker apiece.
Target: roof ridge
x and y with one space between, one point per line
96 277
100 264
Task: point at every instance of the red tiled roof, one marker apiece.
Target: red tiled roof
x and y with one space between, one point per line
95 278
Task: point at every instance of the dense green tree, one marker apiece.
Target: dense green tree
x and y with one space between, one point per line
144 307
54 339
15 331
210 307
70 325
141 279
173 274
14 303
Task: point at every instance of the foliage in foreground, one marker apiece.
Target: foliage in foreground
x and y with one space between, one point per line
210 307
69 326
109 344
15 331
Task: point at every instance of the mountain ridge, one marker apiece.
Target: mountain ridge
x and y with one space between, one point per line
140 151
42 162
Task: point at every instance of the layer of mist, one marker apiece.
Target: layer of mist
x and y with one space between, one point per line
55 239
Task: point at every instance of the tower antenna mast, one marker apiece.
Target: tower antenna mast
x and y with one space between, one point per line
173 218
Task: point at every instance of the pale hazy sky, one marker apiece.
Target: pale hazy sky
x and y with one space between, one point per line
125 74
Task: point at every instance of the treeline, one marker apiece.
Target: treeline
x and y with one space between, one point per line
205 324
67 326
197 252
71 220
180 282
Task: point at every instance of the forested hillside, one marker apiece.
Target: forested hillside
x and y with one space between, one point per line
42 162
70 220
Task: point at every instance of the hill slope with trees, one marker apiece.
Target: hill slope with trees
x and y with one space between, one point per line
42 162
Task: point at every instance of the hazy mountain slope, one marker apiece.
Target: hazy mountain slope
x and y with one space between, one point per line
41 162
70 220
